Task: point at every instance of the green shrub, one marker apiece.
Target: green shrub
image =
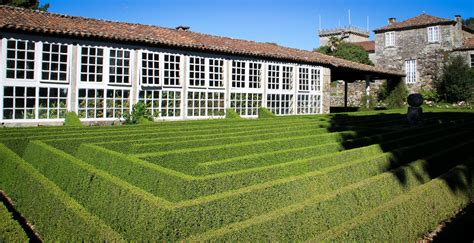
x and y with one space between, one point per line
55 215
397 96
72 120
10 229
265 113
140 114
367 103
429 94
231 114
457 81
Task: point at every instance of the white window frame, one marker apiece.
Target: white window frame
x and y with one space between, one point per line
153 102
390 39
177 80
471 60
411 73
49 99
105 66
212 73
239 74
59 62
156 73
126 72
35 54
433 34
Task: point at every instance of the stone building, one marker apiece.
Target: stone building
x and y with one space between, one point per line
419 46
51 64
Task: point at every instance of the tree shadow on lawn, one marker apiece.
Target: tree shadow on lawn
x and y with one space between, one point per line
443 140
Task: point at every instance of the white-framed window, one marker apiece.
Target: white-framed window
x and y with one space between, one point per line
215 103
273 76
119 66
390 38
315 79
246 104
90 103
472 60
150 74
287 79
151 99
303 79
303 104
53 102
197 71
196 103
20 59
19 103
172 70
433 34
255 75
117 103
92 64
315 104
54 64
170 103
216 72
238 74
280 104
410 68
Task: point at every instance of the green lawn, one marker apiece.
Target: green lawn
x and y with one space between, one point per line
347 176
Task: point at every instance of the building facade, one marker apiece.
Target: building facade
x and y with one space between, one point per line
420 45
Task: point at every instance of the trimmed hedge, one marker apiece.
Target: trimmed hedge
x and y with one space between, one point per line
231 114
265 113
53 213
331 209
422 209
72 120
10 229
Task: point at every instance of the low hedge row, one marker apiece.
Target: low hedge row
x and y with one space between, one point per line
133 213
181 160
190 141
175 186
53 213
329 210
409 216
387 142
10 229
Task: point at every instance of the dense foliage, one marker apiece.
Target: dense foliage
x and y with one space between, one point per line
238 179
32 4
393 95
10 229
231 114
140 114
265 113
457 81
346 51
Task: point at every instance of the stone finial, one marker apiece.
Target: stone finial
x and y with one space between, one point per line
415 112
392 20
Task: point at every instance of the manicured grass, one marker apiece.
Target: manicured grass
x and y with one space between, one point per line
10 229
346 176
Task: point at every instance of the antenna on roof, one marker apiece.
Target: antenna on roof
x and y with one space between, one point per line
339 23
349 13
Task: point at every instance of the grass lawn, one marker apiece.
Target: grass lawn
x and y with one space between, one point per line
346 176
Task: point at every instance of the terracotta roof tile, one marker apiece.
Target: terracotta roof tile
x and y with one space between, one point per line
421 20
18 19
369 46
468 44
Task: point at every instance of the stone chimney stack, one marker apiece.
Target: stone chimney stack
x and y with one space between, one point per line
392 20
458 20
182 28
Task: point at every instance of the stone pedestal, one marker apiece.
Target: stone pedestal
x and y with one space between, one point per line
415 112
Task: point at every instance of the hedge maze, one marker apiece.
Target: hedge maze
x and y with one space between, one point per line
331 177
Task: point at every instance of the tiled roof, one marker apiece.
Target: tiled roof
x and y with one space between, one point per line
421 20
369 46
468 44
34 21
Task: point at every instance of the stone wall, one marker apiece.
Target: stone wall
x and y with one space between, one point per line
355 92
413 44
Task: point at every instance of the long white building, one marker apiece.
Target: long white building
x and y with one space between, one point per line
51 64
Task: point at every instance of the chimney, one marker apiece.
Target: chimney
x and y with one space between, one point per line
392 20
183 28
457 18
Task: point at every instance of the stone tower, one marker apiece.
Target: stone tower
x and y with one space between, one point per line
350 33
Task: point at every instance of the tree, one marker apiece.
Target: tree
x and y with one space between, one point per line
338 48
469 22
31 4
457 80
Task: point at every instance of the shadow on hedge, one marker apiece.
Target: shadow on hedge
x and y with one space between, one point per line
444 140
